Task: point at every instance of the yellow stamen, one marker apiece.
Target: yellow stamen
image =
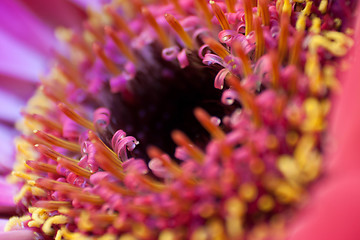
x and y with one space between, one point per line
220 15
120 23
163 37
283 37
264 12
76 117
286 7
315 26
260 41
182 140
58 219
40 166
205 120
179 30
74 167
248 16
323 6
203 6
246 97
124 48
51 139
301 22
239 51
217 47
230 5
110 65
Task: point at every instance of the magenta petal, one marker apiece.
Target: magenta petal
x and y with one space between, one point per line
18 235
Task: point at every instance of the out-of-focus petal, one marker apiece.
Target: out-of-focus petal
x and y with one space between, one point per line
6 157
17 235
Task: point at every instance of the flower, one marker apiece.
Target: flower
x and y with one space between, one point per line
255 75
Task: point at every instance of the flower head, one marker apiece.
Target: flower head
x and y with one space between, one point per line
182 120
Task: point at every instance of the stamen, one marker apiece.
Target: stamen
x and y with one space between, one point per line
283 38
264 12
79 194
260 41
205 120
296 48
110 65
50 153
220 15
315 26
74 167
54 96
44 121
178 7
248 16
76 117
51 139
323 6
52 205
100 146
163 37
247 98
108 165
72 78
230 5
97 35
183 141
275 75
120 44
203 6
217 47
152 184
120 23
239 51
286 7
179 30
154 152
40 166
116 188
25 176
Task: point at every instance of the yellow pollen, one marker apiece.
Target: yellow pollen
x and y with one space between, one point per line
164 39
301 21
315 26
235 207
286 7
179 30
205 120
76 117
199 234
216 230
323 6
182 140
217 47
124 48
84 222
266 203
25 176
248 192
16 222
74 167
120 23
220 15
51 139
167 234
248 16
109 64
47 227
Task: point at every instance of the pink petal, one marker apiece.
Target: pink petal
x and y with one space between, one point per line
17 235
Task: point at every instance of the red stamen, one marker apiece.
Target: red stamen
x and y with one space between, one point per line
120 23
110 65
239 51
40 166
164 39
74 167
179 30
124 48
260 41
76 117
220 15
183 141
248 16
204 118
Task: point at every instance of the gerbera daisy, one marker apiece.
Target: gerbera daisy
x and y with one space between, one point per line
182 120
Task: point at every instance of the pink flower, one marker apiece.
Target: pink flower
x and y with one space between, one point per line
264 79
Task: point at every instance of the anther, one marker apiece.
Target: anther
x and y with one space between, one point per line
120 23
217 47
120 44
264 12
179 30
110 65
41 166
73 167
183 141
248 16
76 117
260 41
230 5
205 120
163 37
220 15
239 51
51 139
246 97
